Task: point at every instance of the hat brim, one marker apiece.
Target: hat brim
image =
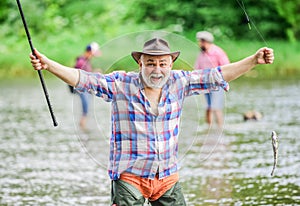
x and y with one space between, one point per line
137 55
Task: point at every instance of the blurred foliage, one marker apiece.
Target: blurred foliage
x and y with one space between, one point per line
224 18
64 27
290 11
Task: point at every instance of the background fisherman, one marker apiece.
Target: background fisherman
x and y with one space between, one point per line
146 109
84 62
211 56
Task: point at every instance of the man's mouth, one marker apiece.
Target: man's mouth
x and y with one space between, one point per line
156 79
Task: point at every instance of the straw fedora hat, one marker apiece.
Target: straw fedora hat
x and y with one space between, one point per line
155 47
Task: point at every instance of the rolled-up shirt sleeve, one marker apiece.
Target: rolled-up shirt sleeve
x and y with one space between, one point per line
217 78
206 80
96 83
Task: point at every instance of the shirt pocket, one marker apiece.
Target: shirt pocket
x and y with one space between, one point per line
172 107
137 109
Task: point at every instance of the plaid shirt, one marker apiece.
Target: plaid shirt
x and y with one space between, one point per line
141 142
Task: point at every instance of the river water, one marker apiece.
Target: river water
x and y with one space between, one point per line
45 165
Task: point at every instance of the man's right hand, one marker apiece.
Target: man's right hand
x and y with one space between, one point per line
67 74
38 60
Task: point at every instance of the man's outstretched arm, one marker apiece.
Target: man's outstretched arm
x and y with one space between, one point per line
67 74
236 69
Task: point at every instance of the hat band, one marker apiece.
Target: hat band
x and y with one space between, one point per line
155 51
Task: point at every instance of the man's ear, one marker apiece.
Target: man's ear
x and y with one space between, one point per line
140 64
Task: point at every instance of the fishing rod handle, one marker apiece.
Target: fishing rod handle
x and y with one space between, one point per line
47 98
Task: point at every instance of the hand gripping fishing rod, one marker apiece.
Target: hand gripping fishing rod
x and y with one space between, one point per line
39 71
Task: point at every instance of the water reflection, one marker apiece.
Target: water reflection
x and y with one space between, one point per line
206 166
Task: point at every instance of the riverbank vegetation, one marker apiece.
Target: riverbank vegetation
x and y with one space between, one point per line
63 28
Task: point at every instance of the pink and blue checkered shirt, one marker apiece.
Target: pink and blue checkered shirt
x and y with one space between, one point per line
143 143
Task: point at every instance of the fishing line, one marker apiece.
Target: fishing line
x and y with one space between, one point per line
250 21
247 17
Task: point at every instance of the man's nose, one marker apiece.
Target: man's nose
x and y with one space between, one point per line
157 68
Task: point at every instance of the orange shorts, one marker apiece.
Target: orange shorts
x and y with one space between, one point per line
151 189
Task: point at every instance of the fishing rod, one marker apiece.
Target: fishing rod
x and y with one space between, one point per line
39 71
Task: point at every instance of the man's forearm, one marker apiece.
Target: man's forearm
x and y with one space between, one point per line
236 69
67 74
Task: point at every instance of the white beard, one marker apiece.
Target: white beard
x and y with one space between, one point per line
150 83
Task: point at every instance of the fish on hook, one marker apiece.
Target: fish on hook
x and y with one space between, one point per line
274 138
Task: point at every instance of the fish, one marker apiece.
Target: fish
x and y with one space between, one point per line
274 138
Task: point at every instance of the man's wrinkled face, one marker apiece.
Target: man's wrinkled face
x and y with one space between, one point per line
155 70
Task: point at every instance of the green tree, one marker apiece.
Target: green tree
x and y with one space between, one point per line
88 18
225 18
290 10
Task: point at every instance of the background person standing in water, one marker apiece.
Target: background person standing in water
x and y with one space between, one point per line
83 62
211 56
